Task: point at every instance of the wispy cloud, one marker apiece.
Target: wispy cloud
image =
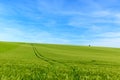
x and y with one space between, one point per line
111 42
109 35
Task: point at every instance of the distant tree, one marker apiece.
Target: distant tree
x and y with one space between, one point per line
89 45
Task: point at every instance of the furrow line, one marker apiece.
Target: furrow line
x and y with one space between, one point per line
51 61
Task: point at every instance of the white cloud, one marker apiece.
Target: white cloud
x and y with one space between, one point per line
110 42
110 39
63 8
101 13
109 35
15 34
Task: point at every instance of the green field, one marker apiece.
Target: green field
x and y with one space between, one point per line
25 61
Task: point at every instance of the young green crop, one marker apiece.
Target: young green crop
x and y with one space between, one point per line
24 61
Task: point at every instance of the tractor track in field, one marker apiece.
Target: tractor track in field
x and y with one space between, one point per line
40 56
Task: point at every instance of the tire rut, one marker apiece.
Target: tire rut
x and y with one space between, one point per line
39 55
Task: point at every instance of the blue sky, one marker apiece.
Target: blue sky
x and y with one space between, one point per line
79 22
